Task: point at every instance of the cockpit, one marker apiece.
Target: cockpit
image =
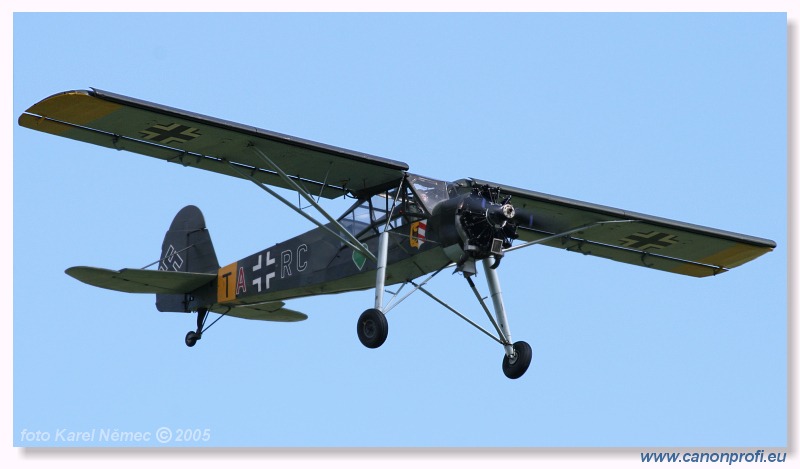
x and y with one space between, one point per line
413 200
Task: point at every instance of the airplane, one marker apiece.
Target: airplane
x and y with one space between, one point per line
402 228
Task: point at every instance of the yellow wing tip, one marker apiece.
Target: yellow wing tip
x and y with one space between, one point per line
736 255
77 107
726 259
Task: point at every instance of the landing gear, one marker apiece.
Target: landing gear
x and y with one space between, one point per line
193 336
372 328
518 355
372 325
516 365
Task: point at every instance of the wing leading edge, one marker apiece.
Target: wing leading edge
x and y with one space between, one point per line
628 237
123 123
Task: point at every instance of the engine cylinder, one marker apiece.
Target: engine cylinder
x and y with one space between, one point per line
479 224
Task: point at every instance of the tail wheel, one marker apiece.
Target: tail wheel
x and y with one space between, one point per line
191 338
517 365
373 328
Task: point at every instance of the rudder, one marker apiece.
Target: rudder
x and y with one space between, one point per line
187 247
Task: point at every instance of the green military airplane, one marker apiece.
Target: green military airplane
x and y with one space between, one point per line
401 226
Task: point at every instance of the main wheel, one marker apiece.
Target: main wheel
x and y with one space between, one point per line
191 338
517 366
372 328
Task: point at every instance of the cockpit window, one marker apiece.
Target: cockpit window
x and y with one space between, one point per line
370 214
429 191
416 199
357 219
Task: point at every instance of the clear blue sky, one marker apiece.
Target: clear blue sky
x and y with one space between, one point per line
676 115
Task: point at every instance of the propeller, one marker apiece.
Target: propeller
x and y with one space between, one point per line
486 224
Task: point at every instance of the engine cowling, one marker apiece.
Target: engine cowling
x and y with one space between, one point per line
485 224
479 222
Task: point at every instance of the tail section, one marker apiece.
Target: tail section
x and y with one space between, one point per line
187 247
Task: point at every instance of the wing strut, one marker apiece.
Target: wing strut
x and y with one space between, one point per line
354 242
568 232
716 269
344 235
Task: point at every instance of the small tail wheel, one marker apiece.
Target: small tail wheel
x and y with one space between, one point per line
372 328
191 338
518 364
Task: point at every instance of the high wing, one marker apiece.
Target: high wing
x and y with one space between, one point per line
225 147
629 237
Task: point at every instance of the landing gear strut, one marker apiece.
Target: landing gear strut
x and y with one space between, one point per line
193 336
372 324
372 327
518 355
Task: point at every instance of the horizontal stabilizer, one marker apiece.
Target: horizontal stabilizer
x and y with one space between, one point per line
269 311
140 280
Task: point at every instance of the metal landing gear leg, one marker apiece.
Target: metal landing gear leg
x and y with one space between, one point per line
518 355
193 336
372 326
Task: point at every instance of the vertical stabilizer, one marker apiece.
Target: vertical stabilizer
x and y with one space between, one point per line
187 247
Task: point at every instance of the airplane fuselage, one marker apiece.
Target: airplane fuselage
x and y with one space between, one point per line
316 262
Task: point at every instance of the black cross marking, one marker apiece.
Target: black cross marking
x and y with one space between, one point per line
171 133
651 240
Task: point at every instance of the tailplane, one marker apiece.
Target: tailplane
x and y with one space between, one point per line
141 280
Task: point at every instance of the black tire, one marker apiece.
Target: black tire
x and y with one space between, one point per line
516 367
191 338
373 328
